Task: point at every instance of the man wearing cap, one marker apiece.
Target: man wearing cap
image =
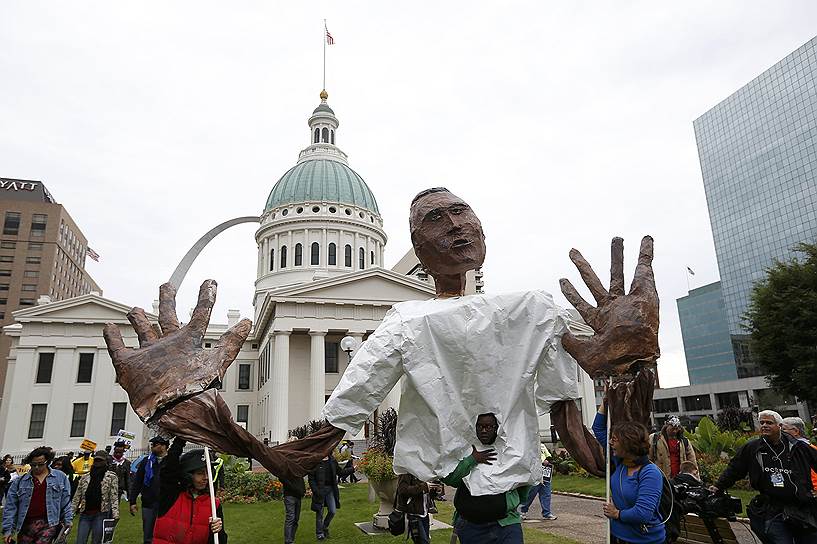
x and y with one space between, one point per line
146 483
669 448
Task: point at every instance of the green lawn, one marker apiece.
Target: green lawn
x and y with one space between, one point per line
264 522
595 487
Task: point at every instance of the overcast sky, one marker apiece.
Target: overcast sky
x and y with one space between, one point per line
563 124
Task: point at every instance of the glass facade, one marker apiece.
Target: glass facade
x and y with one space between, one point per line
705 332
758 154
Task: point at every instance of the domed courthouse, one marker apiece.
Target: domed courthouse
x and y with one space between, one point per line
320 278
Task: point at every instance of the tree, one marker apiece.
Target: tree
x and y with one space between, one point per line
782 322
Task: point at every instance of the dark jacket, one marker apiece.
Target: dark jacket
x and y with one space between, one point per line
179 512
122 471
137 486
760 461
412 495
324 480
294 487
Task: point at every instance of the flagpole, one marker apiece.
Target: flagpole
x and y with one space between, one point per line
325 30
686 272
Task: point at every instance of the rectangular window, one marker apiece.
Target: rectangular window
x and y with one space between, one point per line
6 258
31 274
8 245
27 302
244 376
36 425
78 419
33 260
331 357
38 223
86 367
29 287
665 405
3 301
242 413
5 273
4 286
2 315
45 365
697 402
728 400
35 246
12 223
118 417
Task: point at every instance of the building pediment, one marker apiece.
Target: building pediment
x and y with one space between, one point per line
375 285
83 309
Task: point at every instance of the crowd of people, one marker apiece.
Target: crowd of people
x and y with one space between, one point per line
53 494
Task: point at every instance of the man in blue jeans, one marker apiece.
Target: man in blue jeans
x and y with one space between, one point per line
323 481
543 488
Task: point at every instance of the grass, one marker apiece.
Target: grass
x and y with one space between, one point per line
264 522
595 487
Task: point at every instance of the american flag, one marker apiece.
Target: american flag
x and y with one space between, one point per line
689 270
329 39
92 254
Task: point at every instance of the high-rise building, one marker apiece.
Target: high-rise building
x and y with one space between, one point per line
758 153
42 253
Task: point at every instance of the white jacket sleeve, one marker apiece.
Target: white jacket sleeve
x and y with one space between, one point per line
557 373
371 374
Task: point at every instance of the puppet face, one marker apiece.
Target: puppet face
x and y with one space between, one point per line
446 234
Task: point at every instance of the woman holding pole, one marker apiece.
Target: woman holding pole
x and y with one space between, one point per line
635 484
188 511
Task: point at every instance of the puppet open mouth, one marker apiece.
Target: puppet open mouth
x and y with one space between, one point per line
461 242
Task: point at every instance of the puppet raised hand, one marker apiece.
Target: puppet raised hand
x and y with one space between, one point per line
625 325
171 364
625 340
170 380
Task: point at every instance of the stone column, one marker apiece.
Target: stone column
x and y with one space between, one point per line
280 387
317 373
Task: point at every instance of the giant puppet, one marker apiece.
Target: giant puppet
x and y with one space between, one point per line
458 356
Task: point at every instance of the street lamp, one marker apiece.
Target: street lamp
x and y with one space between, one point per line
348 344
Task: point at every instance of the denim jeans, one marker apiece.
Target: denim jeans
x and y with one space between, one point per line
321 522
418 527
292 507
544 492
778 531
91 525
489 533
148 521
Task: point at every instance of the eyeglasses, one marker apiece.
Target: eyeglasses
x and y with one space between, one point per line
486 427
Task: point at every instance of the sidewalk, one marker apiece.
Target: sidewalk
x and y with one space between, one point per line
581 519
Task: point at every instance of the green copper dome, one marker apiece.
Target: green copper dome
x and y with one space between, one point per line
322 180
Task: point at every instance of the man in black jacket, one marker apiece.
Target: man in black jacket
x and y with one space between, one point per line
146 483
294 491
779 469
325 493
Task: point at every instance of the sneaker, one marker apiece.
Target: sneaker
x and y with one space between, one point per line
549 517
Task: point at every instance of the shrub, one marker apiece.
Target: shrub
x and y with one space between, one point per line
249 487
377 465
708 439
306 429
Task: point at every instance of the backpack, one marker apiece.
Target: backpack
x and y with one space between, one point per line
668 511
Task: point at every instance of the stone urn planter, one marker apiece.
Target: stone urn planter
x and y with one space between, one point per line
383 491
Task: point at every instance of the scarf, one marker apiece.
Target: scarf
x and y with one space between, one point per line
151 466
93 496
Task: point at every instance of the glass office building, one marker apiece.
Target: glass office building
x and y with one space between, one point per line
758 154
704 329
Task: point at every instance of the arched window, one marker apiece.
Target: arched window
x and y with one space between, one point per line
333 254
315 258
317 135
299 255
325 135
361 258
333 137
347 256
271 259
372 262
283 256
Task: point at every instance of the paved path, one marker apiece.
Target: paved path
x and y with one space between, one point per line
581 519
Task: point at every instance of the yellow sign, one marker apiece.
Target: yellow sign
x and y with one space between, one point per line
88 445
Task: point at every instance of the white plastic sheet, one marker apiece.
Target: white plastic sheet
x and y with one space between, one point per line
463 357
